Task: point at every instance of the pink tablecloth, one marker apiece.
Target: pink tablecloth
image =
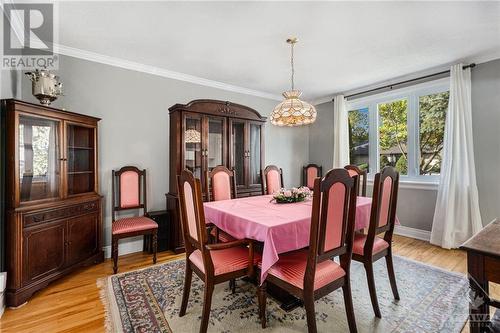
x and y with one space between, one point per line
281 227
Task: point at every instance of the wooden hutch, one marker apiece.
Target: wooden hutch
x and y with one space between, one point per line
205 133
53 209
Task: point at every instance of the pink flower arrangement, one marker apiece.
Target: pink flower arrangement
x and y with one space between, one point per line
291 195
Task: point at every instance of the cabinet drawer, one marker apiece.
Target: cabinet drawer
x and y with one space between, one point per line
59 213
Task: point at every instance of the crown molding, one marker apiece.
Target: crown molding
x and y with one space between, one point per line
322 100
139 67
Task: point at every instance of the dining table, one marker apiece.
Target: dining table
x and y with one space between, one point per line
281 227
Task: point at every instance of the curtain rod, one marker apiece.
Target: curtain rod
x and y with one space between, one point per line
391 86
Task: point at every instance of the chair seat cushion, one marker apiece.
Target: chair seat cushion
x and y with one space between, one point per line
224 237
226 260
133 224
291 268
359 244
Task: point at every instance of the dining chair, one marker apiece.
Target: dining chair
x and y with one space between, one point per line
129 193
220 185
311 273
371 247
356 171
272 179
213 263
309 173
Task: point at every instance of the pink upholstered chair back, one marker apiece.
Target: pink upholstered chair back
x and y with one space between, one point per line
333 218
356 171
352 173
335 203
272 179
128 189
191 209
309 173
384 202
189 204
222 182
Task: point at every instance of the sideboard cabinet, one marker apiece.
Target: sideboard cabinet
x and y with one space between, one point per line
53 209
206 133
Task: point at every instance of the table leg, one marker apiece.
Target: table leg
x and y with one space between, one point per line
291 304
288 301
478 306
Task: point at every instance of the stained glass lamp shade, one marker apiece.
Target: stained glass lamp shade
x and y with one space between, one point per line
293 111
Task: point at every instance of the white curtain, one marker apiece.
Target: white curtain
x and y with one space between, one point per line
457 216
340 133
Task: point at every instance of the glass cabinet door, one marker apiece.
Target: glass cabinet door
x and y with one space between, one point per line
192 145
254 153
215 144
39 158
238 151
80 159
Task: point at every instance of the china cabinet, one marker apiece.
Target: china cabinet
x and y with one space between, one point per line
206 133
53 209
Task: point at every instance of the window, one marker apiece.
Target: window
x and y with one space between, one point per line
393 135
402 128
432 116
359 144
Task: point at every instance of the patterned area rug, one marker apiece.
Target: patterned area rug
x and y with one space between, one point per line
148 300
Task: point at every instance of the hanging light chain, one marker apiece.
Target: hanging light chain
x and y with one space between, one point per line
293 69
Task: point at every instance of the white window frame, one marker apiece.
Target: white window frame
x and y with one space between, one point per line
412 94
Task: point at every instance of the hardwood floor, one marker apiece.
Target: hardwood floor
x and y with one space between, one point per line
72 304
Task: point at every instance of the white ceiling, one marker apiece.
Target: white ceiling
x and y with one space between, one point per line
342 45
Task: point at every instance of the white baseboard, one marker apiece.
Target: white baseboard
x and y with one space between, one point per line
412 232
125 247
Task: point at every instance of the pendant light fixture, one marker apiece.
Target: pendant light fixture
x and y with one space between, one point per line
293 111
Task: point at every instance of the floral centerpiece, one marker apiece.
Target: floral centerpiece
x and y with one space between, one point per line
292 195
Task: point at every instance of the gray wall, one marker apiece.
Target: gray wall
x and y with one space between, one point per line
9 84
321 137
486 126
416 206
134 127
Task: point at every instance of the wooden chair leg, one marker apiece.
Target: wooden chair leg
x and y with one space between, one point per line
114 254
155 244
392 276
233 285
187 289
349 309
371 286
207 304
310 312
261 296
